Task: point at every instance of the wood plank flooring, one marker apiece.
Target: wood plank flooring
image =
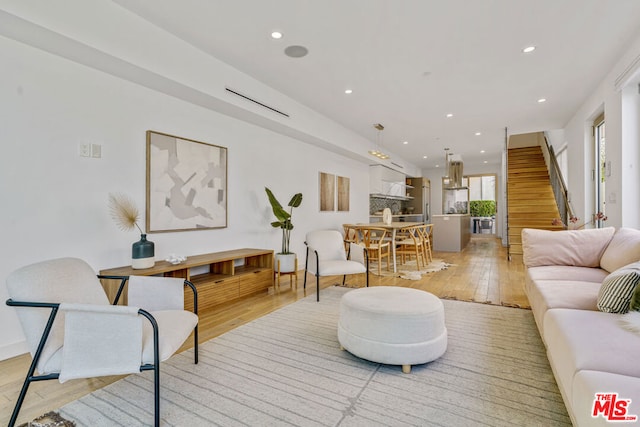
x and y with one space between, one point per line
479 273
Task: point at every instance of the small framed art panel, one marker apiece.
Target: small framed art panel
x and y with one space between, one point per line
343 193
327 192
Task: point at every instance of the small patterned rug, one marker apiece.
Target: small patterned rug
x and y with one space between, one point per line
50 419
409 270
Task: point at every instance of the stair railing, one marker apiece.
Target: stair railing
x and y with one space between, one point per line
557 183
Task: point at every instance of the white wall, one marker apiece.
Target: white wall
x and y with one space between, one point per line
55 202
630 169
622 141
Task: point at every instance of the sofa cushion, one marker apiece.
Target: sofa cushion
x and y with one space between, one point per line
618 288
567 272
582 248
580 340
623 249
547 294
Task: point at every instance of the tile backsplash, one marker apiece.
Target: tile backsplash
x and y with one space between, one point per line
377 204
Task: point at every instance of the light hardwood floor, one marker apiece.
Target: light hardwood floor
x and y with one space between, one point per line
479 273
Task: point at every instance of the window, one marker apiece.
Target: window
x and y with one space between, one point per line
599 175
482 201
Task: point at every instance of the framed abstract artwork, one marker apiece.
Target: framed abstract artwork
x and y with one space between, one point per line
186 184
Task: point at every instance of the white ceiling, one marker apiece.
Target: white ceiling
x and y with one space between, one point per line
410 62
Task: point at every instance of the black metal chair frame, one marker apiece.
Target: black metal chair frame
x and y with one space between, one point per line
146 367
344 277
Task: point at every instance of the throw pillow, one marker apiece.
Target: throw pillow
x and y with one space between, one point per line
634 305
618 288
582 248
623 249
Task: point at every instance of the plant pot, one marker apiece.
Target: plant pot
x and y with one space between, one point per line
143 253
285 263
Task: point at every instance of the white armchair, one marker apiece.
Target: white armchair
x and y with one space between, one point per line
328 257
73 332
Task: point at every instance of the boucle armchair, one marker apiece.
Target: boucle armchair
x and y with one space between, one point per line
73 331
328 257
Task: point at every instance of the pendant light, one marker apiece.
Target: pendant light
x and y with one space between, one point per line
378 150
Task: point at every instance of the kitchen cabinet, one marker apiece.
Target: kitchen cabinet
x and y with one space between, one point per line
450 232
419 200
386 182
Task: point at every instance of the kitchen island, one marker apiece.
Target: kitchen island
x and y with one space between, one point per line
450 232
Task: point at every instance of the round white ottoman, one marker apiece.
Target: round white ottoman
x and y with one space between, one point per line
392 325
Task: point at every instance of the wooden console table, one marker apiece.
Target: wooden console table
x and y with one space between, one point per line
219 277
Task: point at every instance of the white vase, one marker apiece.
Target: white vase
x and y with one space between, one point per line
287 263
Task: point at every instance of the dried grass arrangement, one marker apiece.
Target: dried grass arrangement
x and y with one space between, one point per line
124 212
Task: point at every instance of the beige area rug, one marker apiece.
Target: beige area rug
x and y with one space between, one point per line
286 369
409 270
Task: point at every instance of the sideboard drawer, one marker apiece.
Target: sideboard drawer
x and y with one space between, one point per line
256 281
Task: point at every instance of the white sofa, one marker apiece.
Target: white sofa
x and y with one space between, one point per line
590 351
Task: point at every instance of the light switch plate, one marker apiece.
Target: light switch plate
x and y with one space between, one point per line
96 151
84 150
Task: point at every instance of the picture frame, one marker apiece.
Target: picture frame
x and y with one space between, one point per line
186 184
333 192
342 183
327 192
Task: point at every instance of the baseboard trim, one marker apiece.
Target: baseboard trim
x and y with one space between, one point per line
13 350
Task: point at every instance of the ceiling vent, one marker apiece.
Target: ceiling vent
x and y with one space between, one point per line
255 102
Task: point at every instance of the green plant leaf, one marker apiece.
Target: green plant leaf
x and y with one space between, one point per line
295 200
482 208
277 208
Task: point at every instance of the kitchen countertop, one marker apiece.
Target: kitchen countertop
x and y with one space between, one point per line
397 215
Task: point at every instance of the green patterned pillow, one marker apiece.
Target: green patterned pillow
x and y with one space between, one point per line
618 288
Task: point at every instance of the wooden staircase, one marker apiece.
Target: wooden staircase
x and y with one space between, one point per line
531 203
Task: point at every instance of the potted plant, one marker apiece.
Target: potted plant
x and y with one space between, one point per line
285 256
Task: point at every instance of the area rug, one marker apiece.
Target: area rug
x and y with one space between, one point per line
409 270
50 419
287 369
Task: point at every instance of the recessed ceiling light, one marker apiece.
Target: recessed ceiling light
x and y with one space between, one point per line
528 49
348 91
541 100
482 151
486 161
449 115
437 166
478 133
424 157
405 142
276 35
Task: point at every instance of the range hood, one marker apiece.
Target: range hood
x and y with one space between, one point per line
454 172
